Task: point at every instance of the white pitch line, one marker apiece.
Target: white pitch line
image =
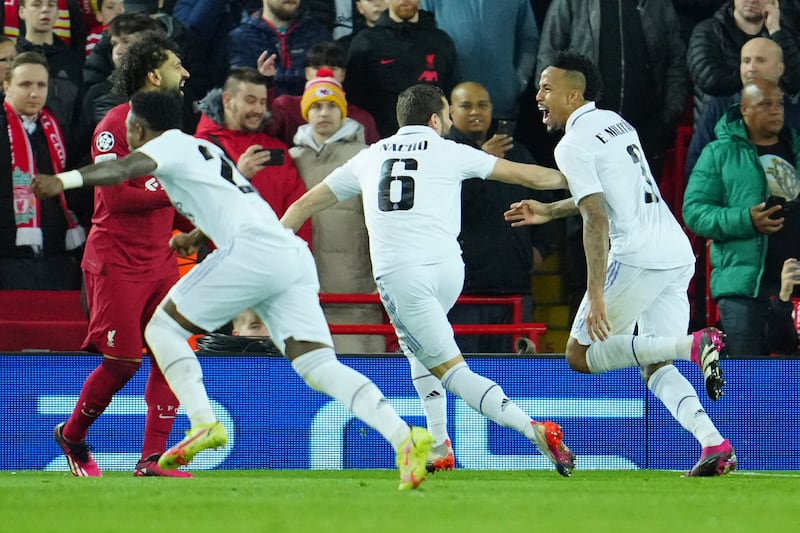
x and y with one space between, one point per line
760 474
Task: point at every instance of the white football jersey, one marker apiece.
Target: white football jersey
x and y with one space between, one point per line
411 189
601 153
205 187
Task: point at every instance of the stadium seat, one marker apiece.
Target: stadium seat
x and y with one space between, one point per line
41 320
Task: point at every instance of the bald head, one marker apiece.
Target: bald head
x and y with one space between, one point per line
761 58
755 90
468 87
471 109
762 110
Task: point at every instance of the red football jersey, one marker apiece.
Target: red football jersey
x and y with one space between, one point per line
132 221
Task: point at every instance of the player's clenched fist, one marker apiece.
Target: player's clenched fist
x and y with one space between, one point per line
183 244
46 186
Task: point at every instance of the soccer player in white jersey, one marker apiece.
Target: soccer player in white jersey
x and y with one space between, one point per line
410 184
643 279
258 264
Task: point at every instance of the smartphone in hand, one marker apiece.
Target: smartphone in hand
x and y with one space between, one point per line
505 127
277 156
773 201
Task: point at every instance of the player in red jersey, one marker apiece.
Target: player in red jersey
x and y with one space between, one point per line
128 269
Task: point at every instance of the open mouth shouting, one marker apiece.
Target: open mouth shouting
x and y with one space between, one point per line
545 115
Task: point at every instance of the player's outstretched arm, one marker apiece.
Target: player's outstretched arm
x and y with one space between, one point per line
318 198
528 212
531 176
105 173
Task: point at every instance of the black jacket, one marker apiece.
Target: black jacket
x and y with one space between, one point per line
498 259
98 65
99 99
576 25
714 54
388 58
77 26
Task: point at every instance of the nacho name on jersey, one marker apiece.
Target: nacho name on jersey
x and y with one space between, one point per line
402 147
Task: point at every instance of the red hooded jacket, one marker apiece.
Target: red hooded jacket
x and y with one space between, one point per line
279 185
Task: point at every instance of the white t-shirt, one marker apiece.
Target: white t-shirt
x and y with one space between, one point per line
411 189
601 153
205 187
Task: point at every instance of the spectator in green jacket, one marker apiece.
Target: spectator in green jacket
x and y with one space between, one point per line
754 158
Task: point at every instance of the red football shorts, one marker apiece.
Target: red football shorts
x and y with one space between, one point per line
118 312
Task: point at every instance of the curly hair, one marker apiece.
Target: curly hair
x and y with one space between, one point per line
162 110
581 66
147 53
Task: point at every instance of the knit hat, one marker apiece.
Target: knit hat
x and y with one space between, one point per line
97 5
323 87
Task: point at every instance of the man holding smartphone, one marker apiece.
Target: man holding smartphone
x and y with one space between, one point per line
754 157
233 119
485 236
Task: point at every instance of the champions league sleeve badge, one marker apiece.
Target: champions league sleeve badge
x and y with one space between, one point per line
104 141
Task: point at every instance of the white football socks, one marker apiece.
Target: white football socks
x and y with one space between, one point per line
625 351
179 364
322 371
680 398
486 397
434 400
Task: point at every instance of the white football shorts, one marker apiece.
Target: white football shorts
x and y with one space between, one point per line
417 300
655 300
281 286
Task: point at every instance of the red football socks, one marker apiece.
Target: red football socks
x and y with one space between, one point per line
98 390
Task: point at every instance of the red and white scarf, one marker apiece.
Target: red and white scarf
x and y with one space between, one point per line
11 21
23 168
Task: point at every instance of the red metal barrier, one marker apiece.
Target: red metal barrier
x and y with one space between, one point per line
517 328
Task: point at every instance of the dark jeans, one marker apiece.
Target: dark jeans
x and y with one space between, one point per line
744 322
49 273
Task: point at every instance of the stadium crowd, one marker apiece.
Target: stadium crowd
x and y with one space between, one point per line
375 49
291 89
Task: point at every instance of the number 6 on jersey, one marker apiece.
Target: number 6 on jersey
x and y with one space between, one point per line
396 193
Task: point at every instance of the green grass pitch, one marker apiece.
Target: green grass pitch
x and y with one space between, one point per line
460 501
